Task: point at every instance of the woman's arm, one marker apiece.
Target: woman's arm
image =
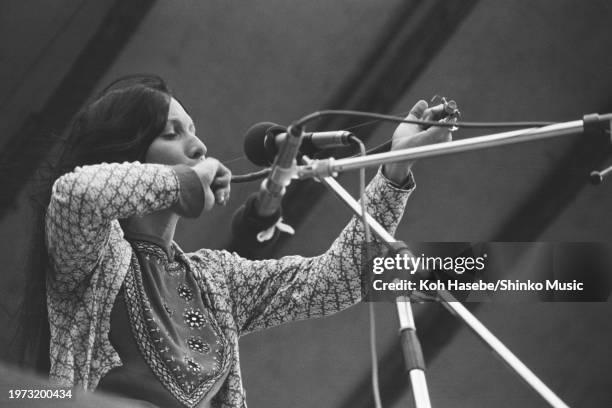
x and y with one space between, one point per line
84 204
267 293
271 292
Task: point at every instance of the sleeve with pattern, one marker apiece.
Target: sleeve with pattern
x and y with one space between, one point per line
85 202
271 292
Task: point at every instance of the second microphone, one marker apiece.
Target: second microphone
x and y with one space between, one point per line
263 140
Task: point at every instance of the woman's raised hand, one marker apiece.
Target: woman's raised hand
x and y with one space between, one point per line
215 178
408 135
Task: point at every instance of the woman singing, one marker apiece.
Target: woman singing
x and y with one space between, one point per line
129 311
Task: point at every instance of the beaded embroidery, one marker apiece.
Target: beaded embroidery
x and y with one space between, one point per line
185 292
192 373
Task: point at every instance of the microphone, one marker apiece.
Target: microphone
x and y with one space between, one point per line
273 187
262 142
256 224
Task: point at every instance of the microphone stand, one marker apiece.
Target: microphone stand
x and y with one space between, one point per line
413 357
411 347
590 124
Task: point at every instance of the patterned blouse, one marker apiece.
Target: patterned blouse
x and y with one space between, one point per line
91 259
173 352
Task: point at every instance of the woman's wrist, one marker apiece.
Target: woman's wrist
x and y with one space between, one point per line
191 198
398 174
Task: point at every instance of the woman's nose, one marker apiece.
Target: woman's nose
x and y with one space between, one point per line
197 150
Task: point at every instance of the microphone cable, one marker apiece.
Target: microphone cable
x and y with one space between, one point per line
243 178
392 118
256 175
368 241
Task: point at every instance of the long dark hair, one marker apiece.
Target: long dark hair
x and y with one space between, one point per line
117 126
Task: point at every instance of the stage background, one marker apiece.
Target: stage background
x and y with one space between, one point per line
233 64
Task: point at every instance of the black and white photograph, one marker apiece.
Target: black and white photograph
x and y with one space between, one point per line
343 204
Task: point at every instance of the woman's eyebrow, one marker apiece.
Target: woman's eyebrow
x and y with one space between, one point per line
178 124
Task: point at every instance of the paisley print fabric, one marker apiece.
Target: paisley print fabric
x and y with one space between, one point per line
91 259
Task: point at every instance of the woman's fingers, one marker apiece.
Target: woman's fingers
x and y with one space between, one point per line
435 134
207 170
221 184
409 135
215 179
416 113
209 199
222 195
223 176
418 110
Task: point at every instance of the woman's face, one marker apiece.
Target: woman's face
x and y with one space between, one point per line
178 143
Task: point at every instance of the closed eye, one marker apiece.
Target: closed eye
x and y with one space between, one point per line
170 136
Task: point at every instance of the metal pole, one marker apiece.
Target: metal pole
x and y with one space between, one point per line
413 355
417 375
500 349
330 167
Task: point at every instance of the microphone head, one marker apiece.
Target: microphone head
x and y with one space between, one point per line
259 143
